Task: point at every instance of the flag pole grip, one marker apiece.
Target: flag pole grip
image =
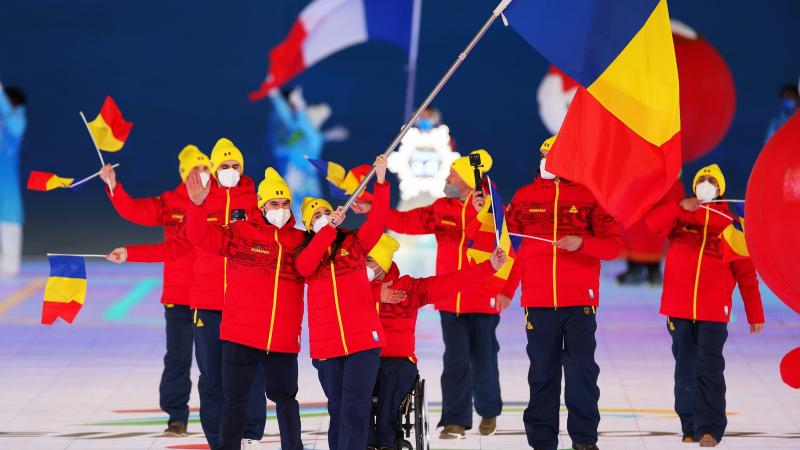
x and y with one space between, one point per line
96 174
432 95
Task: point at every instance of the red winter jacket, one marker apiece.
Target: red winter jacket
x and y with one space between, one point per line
261 310
698 281
552 277
166 210
448 219
341 311
210 277
399 320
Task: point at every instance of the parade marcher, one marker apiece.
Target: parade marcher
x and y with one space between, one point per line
560 294
398 299
12 128
167 211
263 310
469 318
698 284
232 198
345 332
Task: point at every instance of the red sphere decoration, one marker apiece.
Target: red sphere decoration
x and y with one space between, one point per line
772 213
708 97
790 368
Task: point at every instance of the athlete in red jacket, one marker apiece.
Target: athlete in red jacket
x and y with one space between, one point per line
167 211
263 307
468 316
344 330
560 290
698 284
398 300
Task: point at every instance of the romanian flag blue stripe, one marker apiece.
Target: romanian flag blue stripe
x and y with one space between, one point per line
320 165
67 266
580 37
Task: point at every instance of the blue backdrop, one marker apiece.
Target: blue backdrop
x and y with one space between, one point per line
181 72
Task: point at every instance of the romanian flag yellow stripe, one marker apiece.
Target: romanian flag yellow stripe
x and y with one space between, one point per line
103 135
640 87
65 290
57 182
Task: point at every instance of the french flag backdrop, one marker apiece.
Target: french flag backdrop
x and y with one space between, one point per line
325 27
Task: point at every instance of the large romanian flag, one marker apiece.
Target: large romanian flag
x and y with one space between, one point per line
110 130
343 182
45 181
621 135
65 290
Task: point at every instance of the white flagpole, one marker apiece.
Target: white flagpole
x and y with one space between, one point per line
99 154
494 222
71 254
445 78
413 52
725 200
532 237
84 180
720 213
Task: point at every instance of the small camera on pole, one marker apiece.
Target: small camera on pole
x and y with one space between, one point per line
475 162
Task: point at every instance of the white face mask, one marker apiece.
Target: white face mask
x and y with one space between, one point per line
205 177
451 191
228 177
371 273
320 223
278 217
543 172
705 191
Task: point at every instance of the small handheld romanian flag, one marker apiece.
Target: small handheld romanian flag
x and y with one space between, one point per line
343 183
492 232
110 130
45 181
733 243
65 290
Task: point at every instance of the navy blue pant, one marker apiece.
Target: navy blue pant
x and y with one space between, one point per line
348 382
208 351
239 366
470 368
561 338
176 381
699 378
396 378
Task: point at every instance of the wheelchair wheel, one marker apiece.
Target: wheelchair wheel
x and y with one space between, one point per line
421 429
405 445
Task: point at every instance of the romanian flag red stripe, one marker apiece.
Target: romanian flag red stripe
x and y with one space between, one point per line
110 130
53 310
112 116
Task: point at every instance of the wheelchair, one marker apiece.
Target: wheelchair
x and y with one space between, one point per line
413 417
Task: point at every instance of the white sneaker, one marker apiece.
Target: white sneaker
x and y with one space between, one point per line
250 444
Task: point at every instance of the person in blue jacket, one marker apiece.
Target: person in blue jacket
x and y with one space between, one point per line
293 136
12 127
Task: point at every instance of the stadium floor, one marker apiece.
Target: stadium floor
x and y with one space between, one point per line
94 384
